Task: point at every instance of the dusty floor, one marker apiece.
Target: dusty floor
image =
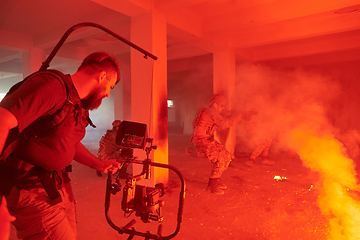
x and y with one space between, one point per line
255 205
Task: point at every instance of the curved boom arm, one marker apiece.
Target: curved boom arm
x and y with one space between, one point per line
46 64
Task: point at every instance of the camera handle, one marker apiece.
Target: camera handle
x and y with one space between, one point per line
128 229
145 174
146 169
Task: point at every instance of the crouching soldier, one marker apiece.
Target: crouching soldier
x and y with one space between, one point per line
208 120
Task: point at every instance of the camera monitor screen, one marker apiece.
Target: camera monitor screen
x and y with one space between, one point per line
131 134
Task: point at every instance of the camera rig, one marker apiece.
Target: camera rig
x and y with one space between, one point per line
144 201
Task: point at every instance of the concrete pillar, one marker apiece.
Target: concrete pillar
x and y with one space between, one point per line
122 95
32 60
224 83
149 88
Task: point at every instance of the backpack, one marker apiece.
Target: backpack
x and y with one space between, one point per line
35 131
39 129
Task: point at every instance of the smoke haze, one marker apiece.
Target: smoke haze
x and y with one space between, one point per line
295 108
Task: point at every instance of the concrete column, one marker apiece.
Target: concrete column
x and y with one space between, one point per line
122 95
149 87
32 60
224 83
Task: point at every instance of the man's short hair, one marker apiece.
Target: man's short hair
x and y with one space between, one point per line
100 61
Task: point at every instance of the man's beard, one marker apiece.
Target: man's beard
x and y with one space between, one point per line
93 100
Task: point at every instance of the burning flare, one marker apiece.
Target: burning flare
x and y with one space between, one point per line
278 178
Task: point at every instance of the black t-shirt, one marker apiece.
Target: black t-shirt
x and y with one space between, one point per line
39 97
36 97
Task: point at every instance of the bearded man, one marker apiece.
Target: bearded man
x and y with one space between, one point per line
42 122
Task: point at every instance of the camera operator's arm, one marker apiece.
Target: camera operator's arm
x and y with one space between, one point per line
83 156
7 122
5 219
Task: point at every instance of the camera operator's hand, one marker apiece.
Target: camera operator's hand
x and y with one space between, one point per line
110 165
83 156
5 219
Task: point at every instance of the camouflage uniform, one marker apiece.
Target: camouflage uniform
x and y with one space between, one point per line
108 149
206 123
262 147
208 120
263 142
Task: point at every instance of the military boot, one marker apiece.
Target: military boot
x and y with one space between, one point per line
214 187
251 163
193 152
267 161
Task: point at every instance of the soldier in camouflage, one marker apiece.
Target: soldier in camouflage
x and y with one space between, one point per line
262 148
208 120
108 149
260 133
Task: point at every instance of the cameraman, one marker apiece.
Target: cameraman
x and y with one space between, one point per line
34 176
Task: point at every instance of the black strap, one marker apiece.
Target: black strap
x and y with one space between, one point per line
8 177
49 186
10 148
15 144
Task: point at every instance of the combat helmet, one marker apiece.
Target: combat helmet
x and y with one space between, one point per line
219 99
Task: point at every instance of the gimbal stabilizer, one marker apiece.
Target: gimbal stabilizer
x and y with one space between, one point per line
144 201
128 227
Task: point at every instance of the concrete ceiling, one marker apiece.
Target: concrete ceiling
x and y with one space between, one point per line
256 30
